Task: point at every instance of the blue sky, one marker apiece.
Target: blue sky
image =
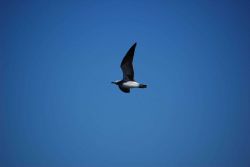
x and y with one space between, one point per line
59 108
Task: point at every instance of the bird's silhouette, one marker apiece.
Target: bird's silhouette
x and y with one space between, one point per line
128 81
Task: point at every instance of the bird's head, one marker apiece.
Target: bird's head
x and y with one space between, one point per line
115 82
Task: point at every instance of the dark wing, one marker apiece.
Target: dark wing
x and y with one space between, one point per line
126 90
127 65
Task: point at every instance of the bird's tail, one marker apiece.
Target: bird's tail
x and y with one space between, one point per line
142 86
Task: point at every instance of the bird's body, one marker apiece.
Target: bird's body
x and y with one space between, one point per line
128 81
130 84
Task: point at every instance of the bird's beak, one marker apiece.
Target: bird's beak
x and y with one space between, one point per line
113 82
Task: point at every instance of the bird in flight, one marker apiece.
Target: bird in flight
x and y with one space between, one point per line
128 81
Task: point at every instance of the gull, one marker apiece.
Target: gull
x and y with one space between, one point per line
128 81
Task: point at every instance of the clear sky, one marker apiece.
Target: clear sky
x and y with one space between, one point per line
59 108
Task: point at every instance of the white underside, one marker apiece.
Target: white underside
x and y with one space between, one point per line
131 84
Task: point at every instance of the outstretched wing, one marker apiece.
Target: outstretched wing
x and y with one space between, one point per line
126 90
127 65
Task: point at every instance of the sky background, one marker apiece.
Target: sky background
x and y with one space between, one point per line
58 107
